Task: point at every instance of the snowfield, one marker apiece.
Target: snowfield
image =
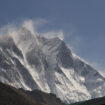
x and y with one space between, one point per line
34 62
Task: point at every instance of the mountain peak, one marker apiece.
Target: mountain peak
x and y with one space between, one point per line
34 62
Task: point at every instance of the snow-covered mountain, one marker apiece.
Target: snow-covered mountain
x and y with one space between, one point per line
34 62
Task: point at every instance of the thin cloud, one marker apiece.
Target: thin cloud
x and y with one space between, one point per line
33 25
75 43
53 34
98 67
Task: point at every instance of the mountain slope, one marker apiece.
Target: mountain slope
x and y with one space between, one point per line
97 101
34 62
49 99
13 96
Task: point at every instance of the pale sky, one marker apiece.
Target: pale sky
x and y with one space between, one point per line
82 23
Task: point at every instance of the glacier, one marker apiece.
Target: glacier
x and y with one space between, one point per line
31 61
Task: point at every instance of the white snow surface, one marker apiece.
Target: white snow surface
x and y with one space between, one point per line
33 62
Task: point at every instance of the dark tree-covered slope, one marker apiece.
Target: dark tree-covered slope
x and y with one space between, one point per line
97 101
12 96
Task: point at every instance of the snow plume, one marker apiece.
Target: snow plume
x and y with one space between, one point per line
26 32
53 34
32 26
7 29
29 24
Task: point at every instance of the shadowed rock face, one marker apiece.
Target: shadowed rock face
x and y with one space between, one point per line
11 69
12 96
64 57
36 57
7 43
34 62
47 98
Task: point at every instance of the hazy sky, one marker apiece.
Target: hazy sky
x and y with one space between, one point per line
81 21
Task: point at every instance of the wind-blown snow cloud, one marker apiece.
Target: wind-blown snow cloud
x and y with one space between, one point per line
5 30
53 34
33 25
29 24
75 43
98 66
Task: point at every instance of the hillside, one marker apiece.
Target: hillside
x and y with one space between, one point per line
47 98
97 101
12 96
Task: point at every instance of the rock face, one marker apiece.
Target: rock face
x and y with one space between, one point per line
34 62
12 96
46 98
